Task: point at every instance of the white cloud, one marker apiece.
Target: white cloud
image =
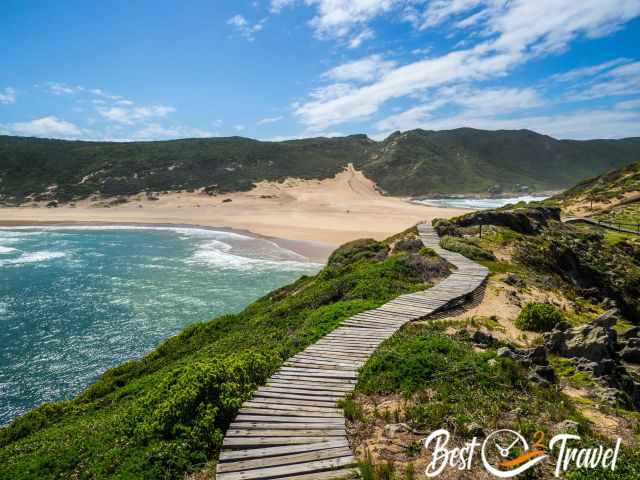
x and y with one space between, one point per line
8 96
515 32
582 124
46 127
474 103
363 70
590 71
338 18
239 128
244 27
58 88
131 115
265 121
622 80
629 105
359 38
155 131
278 5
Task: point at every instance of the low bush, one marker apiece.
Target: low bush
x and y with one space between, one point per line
539 317
466 248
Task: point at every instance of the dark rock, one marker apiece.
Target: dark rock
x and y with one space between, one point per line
535 378
631 333
607 320
475 429
537 355
633 342
227 200
507 352
630 354
545 372
529 220
514 280
483 338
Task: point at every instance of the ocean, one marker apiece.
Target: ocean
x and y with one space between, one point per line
77 301
478 203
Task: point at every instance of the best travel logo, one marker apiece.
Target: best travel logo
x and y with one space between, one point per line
506 453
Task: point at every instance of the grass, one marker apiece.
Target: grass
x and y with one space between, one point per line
567 372
163 415
450 385
467 248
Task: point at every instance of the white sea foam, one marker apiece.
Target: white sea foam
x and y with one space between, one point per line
477 203
32 257
5 250
188 231
219 254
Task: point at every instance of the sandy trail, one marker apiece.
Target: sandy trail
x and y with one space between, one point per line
331 211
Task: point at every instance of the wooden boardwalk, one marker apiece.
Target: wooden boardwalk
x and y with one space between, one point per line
292 427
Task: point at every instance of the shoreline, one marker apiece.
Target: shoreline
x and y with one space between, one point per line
313 251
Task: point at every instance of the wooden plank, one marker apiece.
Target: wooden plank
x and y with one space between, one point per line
246 417
286 425
286 470
238 442
246 410
287 407
249 432
340 474
229 455
244 465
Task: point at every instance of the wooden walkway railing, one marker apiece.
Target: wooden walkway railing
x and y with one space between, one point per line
618 227
292 427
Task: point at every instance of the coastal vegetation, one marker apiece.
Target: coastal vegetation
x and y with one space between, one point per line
165 414
534 363
416 162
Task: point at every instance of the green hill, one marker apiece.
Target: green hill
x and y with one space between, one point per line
414 163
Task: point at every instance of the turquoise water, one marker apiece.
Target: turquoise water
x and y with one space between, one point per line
75 302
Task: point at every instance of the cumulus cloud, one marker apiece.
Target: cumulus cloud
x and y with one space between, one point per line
46 127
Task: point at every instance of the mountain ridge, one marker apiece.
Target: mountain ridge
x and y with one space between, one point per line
411 163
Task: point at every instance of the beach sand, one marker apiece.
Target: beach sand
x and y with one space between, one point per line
320 213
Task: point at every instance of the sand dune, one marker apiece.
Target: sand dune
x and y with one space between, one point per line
331 211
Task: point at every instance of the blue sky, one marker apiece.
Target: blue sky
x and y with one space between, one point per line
274 69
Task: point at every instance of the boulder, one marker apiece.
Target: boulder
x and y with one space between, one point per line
633 332
537 355
607 320
566 426
392 430
482 338
514 280
630 354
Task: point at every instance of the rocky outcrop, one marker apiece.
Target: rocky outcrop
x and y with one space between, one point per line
595 348
529 220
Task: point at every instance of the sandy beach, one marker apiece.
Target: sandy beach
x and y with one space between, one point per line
322 214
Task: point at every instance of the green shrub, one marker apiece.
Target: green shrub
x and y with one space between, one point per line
357 250
539 317
466 248
427 252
